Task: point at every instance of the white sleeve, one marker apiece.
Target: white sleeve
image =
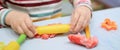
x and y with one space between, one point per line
86 3
3 14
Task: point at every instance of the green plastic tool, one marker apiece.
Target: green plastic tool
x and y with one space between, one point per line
21 39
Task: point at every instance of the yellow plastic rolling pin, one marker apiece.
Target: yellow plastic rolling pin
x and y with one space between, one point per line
15 45
53 29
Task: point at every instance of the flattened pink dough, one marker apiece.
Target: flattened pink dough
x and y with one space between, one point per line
82 40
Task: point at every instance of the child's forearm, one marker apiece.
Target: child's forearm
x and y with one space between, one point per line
77 3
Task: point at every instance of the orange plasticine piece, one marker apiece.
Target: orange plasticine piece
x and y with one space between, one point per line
109 25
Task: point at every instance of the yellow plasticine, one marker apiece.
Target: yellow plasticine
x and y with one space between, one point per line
53 29
13 45
2 45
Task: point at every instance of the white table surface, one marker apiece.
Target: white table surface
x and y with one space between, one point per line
108 40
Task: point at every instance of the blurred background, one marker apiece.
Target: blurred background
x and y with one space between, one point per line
104 4
97 5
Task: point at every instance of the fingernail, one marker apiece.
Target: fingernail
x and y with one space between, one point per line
31 35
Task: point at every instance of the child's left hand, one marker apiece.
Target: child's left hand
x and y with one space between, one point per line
80 18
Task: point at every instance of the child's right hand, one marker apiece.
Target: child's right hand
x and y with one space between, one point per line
20 22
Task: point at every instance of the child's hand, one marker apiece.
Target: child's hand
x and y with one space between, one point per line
20 22
80 18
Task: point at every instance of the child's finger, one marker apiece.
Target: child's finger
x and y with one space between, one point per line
71 23
32 29
30 25
26 30
79 23
83 22
19 30
86 22
72 17
75 20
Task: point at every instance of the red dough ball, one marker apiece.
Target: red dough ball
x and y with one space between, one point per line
45 36
92 42
37 36
52 35
74 38
82 40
